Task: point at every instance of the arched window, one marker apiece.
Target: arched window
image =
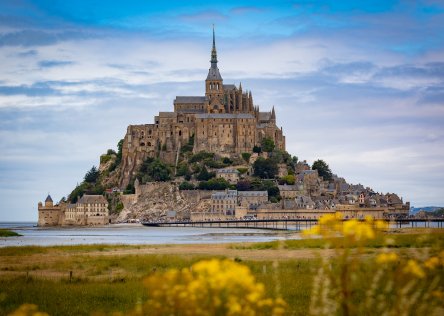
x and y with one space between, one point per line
149 144
180 133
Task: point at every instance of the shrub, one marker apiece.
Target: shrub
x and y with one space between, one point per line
202 155
210 287
246 157
186 186
265 168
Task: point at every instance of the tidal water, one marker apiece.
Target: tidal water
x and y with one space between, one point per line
133 234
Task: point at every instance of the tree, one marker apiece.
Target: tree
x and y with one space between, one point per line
153 170
289 179
204 175
186 186
265 168
246 157
92 175
323 169
257 149
267 144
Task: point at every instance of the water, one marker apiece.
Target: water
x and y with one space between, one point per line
133 234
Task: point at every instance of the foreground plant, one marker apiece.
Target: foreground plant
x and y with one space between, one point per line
211 287
386 284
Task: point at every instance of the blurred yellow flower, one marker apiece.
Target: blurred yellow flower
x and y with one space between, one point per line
388 257
28 310
210 287
412 267
431 263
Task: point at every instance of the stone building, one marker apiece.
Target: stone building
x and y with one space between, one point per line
224 203
229 174
225 121
49 214
252 199
89 210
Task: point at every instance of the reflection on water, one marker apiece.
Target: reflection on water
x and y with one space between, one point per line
132 234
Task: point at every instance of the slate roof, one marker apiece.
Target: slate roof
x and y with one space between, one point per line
227 171
224 116
48 198
92 199
252 193
189 99
229 86
214 74
264 116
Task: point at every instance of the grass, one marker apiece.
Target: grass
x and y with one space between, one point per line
8 233
108 278
397 241
121 292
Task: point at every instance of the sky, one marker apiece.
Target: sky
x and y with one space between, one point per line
359 84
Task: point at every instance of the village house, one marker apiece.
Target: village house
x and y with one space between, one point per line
89 210
229 174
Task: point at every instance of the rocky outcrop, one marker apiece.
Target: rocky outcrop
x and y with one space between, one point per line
153 201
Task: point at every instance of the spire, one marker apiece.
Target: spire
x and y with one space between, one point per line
273 114
240 86
213 51
213 73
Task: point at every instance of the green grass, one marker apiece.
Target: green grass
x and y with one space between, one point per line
8 233
386 240
290 279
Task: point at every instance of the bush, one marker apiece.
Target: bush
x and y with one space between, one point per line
267 145
186 186
257 149
204 175
214 184
153 170
202 155
265 168
246 157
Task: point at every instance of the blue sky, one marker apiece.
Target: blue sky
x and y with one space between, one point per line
358 84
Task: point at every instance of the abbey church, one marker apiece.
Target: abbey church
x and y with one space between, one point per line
224 121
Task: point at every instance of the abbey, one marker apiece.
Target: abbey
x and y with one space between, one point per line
224 121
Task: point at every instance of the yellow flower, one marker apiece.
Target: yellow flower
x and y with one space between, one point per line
412 267
384 258
28 310
380 225
209 287
431 263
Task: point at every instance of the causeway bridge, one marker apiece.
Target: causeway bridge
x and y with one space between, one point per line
288 224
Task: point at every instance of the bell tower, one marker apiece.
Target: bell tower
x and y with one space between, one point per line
214 89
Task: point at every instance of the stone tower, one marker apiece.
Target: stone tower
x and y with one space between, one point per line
214 89
49 214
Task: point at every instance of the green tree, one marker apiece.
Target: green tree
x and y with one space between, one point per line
204 175
289 179
214 184
257 149
246 157
92 175
265 168
186 186
153 170
323 169
267 144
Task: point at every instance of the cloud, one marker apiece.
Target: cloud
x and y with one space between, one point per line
28 53
207 16
246 10
54 63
